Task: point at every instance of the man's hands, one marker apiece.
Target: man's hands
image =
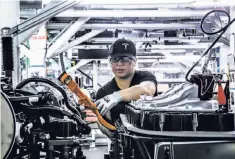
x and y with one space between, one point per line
108 102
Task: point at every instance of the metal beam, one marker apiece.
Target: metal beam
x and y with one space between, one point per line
133 13
149 39
67 35
78 65
74 43
126 26
60 33
28 33
48 13
199 46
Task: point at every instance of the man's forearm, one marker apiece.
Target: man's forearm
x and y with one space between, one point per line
134 92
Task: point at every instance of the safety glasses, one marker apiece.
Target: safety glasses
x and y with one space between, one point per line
122 59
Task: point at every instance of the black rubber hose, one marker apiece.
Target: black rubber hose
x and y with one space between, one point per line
223 28
221 31
88 76
44 80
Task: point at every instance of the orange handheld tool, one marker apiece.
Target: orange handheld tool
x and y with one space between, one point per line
83 99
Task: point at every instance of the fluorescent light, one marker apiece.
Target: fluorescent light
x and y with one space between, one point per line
134 2
133 13
171 47
178 51
213 3
156 47
155 3
181 58
139 6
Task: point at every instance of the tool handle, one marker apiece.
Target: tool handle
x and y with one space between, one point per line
67 79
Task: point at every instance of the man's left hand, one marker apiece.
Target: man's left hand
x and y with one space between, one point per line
108 102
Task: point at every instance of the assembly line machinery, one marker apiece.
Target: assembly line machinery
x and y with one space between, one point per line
42 118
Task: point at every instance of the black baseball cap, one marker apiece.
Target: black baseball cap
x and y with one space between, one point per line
123 47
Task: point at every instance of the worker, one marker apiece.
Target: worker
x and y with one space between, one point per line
127 85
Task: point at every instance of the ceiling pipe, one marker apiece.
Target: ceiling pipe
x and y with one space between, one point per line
126 26
132 2
154 46
149 39
156 4
63 39
133 13
74 43
139 26
187 3
59 34
200 46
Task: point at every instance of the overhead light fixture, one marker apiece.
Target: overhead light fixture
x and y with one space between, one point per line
132 2
178 51
153 3
133 13
180 47
44 2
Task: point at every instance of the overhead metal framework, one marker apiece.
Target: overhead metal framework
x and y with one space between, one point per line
63 39
31 25
166 26
74 43
125 26
133 13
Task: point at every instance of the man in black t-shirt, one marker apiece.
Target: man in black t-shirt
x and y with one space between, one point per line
128 84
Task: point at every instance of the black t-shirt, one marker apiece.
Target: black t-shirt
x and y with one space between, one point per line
110 87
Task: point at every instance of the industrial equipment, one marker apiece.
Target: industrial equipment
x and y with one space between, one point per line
41 118
38 116
185 121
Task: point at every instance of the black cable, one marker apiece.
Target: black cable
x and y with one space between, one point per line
88 76
25 46
223 28
221 31
44 80
50 108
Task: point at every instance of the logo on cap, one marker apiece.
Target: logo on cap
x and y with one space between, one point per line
125 44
